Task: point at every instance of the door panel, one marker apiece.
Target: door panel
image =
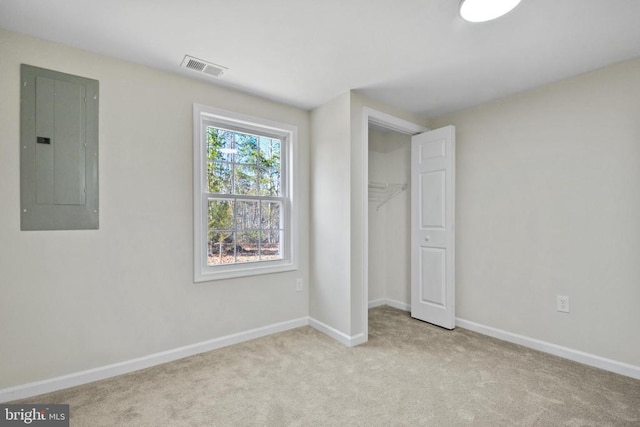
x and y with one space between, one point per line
433 277
432 227
432 189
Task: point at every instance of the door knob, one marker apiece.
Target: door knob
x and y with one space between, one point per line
426 239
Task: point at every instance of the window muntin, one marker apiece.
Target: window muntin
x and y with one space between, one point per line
244 211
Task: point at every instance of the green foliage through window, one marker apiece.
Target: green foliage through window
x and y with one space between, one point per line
245 197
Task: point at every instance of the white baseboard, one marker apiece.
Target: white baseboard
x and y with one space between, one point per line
399 305
96 374
358 339
349 341
391 303
567 353
377 302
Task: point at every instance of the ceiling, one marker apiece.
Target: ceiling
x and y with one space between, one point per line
416 55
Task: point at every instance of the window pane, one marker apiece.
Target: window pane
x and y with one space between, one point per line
270 153
271 245
270 215
246 180
219 177
270 157
248 246
270 182
219 145
247 148
220 214
247 215
221 248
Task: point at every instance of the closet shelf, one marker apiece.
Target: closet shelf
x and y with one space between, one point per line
382 192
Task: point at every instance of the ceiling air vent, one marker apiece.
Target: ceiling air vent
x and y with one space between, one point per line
200 66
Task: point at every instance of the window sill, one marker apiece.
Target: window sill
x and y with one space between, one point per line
209 274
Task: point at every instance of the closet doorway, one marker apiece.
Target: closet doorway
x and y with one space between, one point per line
409 220
389 210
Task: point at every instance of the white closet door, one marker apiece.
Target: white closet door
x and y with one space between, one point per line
432 227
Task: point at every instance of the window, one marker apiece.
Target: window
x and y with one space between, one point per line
244 209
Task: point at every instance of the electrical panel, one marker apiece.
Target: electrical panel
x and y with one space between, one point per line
58 150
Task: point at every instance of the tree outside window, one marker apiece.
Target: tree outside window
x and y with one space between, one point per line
245 205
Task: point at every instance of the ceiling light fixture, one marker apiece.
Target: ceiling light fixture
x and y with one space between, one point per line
485 10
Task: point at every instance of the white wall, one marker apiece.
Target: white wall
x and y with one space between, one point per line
329 300
377 221
548 203
398 226
390 225
75 300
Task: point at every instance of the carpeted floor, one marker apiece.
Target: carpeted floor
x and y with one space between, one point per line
409 373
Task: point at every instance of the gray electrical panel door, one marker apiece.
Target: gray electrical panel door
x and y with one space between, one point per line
58 150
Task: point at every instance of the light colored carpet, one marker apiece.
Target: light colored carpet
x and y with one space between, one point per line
409 373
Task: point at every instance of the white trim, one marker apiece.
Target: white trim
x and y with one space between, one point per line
391 303
399 305
103 372
358 339
96 374
557 350
349 341
369 115
391 122
365 223
377 302
289 133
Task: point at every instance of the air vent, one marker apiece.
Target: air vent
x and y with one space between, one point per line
200 66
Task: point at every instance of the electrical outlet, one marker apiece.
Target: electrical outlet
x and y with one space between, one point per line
299 285
563 304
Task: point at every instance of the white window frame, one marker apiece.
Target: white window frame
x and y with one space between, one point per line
204 116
